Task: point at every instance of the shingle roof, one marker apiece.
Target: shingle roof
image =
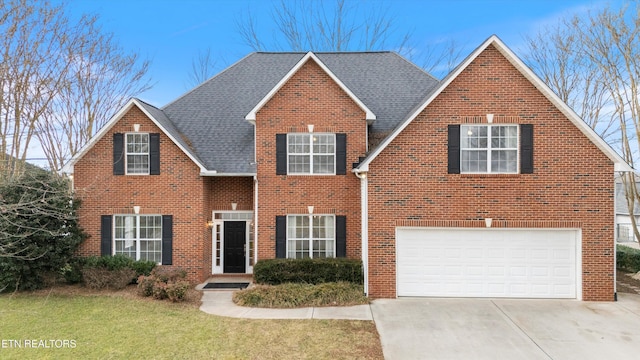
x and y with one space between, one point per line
210 119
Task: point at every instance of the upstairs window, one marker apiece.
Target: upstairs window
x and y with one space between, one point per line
311 153
489 149
137 153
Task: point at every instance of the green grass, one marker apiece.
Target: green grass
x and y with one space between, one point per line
301 295
117 327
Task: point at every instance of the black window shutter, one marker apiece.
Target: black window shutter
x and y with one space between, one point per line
118 154
341 236
281 237
281 154
154 154
106 235
454 150
526 149
341 154
167 239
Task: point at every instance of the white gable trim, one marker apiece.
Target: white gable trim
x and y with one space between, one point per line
68 168
251 116
619 163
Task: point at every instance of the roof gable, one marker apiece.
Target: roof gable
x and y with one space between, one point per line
251 116
155 115
619 163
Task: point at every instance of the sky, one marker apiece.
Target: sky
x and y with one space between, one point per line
171 33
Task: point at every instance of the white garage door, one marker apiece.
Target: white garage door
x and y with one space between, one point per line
517 263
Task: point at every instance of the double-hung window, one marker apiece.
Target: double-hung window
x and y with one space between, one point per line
139 236
137 153
489 149
311 153
311 236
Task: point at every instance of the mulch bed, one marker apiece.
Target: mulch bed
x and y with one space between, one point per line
627 284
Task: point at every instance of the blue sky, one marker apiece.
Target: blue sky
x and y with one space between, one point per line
170 33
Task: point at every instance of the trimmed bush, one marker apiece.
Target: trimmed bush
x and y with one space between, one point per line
165 283
301 295
115 272
100 278
627 258
308 271
72 271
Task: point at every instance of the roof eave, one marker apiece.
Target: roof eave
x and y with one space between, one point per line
618 161
69 167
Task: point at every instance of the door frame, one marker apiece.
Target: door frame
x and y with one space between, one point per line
217 239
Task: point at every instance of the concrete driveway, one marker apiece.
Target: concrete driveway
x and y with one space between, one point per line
428 328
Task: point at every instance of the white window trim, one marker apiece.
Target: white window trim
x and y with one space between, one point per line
310 239
311 154
489 148
137 239
126 153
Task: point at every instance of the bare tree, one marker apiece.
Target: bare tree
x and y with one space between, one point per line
59 81
202 67
100 78
339 25
593 63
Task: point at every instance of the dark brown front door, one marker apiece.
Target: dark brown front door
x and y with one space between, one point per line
235 234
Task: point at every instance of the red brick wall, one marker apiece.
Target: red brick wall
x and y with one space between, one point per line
572 182
309 97
179 190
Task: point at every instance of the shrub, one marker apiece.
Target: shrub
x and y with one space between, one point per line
177 291
310 271
39 228
163 283
301 295
144 267
100 277
72 271
627 258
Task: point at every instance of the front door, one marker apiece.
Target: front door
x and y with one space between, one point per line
235 234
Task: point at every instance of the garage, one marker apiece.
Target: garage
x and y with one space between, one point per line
487 262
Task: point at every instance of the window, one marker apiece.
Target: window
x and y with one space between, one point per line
489 148
139 236
137 153
311 153
310 236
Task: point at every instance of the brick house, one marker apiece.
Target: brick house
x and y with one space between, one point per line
483 184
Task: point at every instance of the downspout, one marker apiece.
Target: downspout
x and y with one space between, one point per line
364 226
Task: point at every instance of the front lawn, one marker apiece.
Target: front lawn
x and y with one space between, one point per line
122 327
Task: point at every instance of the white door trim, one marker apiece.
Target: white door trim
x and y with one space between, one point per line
219 218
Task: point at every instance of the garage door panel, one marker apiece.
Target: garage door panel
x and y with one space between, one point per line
526 263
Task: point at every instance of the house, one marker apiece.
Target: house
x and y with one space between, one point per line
624 228
483 184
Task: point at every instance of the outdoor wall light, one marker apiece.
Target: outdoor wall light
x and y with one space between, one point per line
210 224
